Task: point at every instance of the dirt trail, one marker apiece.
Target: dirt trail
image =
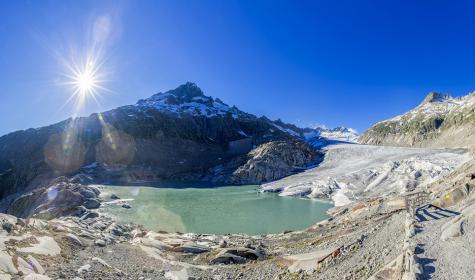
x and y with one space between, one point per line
444 259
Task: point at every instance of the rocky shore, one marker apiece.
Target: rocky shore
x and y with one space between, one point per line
65 238
57 232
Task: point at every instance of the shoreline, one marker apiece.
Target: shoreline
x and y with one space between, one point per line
164 203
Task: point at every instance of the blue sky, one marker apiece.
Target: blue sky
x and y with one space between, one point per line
348 63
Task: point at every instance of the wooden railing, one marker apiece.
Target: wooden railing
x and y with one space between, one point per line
414 200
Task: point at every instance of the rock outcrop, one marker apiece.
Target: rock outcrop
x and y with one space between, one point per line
275 160
59 198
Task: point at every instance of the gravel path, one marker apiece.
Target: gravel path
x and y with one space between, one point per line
449 259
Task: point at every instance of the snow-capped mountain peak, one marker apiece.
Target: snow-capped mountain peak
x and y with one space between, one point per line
321 135
436 97
434 104
439 120
188 99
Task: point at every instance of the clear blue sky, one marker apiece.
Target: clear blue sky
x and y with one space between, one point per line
348 63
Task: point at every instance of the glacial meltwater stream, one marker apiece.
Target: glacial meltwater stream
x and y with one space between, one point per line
217 210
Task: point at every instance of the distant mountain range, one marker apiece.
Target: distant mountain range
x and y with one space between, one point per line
322 136
180 134
439 121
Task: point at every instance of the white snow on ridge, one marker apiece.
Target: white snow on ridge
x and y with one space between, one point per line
350 172
323 136
197 105
440 105
287 130
347 136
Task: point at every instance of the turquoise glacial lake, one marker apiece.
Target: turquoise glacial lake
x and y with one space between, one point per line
217 210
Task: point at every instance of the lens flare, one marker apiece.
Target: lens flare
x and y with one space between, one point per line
85 79
86 82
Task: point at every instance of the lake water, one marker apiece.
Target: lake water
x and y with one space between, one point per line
219 210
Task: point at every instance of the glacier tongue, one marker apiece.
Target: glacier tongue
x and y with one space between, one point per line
351 171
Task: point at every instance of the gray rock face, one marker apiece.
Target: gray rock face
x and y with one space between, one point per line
7 226
91 203
89 215
87 193
81 179
56 200
226 258
274 160
236 255
191 248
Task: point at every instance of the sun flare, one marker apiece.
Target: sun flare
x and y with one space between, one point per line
85 80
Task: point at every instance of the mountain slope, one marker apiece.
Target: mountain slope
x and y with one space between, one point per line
179 134
439 121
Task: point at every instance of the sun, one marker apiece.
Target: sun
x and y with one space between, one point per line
86 80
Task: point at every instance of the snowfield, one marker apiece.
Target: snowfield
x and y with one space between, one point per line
351 171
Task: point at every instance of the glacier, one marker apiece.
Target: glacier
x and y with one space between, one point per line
351 171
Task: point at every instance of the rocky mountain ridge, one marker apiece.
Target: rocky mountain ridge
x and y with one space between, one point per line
181 134
439 121
189 99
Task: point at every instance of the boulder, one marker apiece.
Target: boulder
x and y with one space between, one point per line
191 248
81 179
86 235
80 211
236 255
87 193
5 218
73 239
223 243
7 222
24 266
8 227
95 190
243 252
90 215
100 243
226 258
114 196
21 222
157 244
117 231
453 228
35 264
92 203
49 202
